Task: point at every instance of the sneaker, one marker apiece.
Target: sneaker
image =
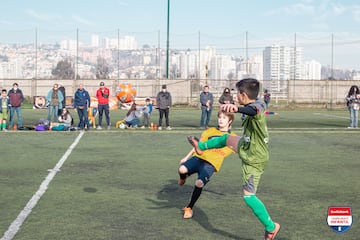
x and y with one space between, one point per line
109 127
181 181
272 235
168 128
142 127
4 130
160 128
99 127
194 142
188 212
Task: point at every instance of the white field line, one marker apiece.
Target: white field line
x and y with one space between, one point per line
16 224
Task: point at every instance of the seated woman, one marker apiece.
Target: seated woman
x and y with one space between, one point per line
132 117
65 121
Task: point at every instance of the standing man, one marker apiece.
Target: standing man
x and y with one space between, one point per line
81 104
164 102
16 99
102 94
206 101
54 98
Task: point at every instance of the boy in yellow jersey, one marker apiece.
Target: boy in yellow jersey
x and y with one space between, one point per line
208 162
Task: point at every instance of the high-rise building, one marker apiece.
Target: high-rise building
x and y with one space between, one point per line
95 40
312 70
280 64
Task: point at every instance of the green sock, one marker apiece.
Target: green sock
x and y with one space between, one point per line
215 142
3 125
260 211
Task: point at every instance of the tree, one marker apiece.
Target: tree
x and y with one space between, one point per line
63 70
102 69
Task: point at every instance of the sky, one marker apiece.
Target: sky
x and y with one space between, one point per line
327 30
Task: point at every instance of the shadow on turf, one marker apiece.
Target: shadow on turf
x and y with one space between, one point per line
173 196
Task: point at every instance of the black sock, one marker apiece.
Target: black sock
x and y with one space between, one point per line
182 175
195 196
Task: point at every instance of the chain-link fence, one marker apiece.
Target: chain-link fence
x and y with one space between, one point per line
315 93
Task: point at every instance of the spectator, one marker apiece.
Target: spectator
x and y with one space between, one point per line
16 98
54 100
206 101
102 94
62 90
226 97
353 104
132 117
81 104
164 102
147 110
267 97
65 121
4 109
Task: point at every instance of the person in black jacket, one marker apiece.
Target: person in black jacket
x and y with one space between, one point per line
164 102
81 105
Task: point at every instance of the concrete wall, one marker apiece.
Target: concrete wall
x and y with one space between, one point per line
187 92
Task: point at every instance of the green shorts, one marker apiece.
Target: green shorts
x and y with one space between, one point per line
4 115
251 176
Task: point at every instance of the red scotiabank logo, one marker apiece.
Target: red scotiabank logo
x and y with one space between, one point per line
339 219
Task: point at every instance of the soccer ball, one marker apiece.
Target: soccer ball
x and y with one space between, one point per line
122 126
125 93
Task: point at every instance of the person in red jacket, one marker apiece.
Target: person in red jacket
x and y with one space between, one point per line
103 94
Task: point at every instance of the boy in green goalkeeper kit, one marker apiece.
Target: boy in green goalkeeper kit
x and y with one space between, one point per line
252 148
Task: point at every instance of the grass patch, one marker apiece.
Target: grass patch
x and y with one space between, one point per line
122 184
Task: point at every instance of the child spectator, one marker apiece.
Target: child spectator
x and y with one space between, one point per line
4 109
147 110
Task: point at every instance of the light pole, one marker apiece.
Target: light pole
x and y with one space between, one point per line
167 41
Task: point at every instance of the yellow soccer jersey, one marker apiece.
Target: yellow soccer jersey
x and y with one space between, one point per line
214 156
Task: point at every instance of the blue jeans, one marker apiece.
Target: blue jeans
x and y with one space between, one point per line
84 118
19 116
133 122
53 111
354 117
205 116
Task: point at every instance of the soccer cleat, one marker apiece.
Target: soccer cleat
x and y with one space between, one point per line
188 212
194 141
272 235
168 128
181 181
99 127
160 128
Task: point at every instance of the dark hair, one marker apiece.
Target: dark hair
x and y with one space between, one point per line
132 109
230 115
226 90
354 90
250 86
4 90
